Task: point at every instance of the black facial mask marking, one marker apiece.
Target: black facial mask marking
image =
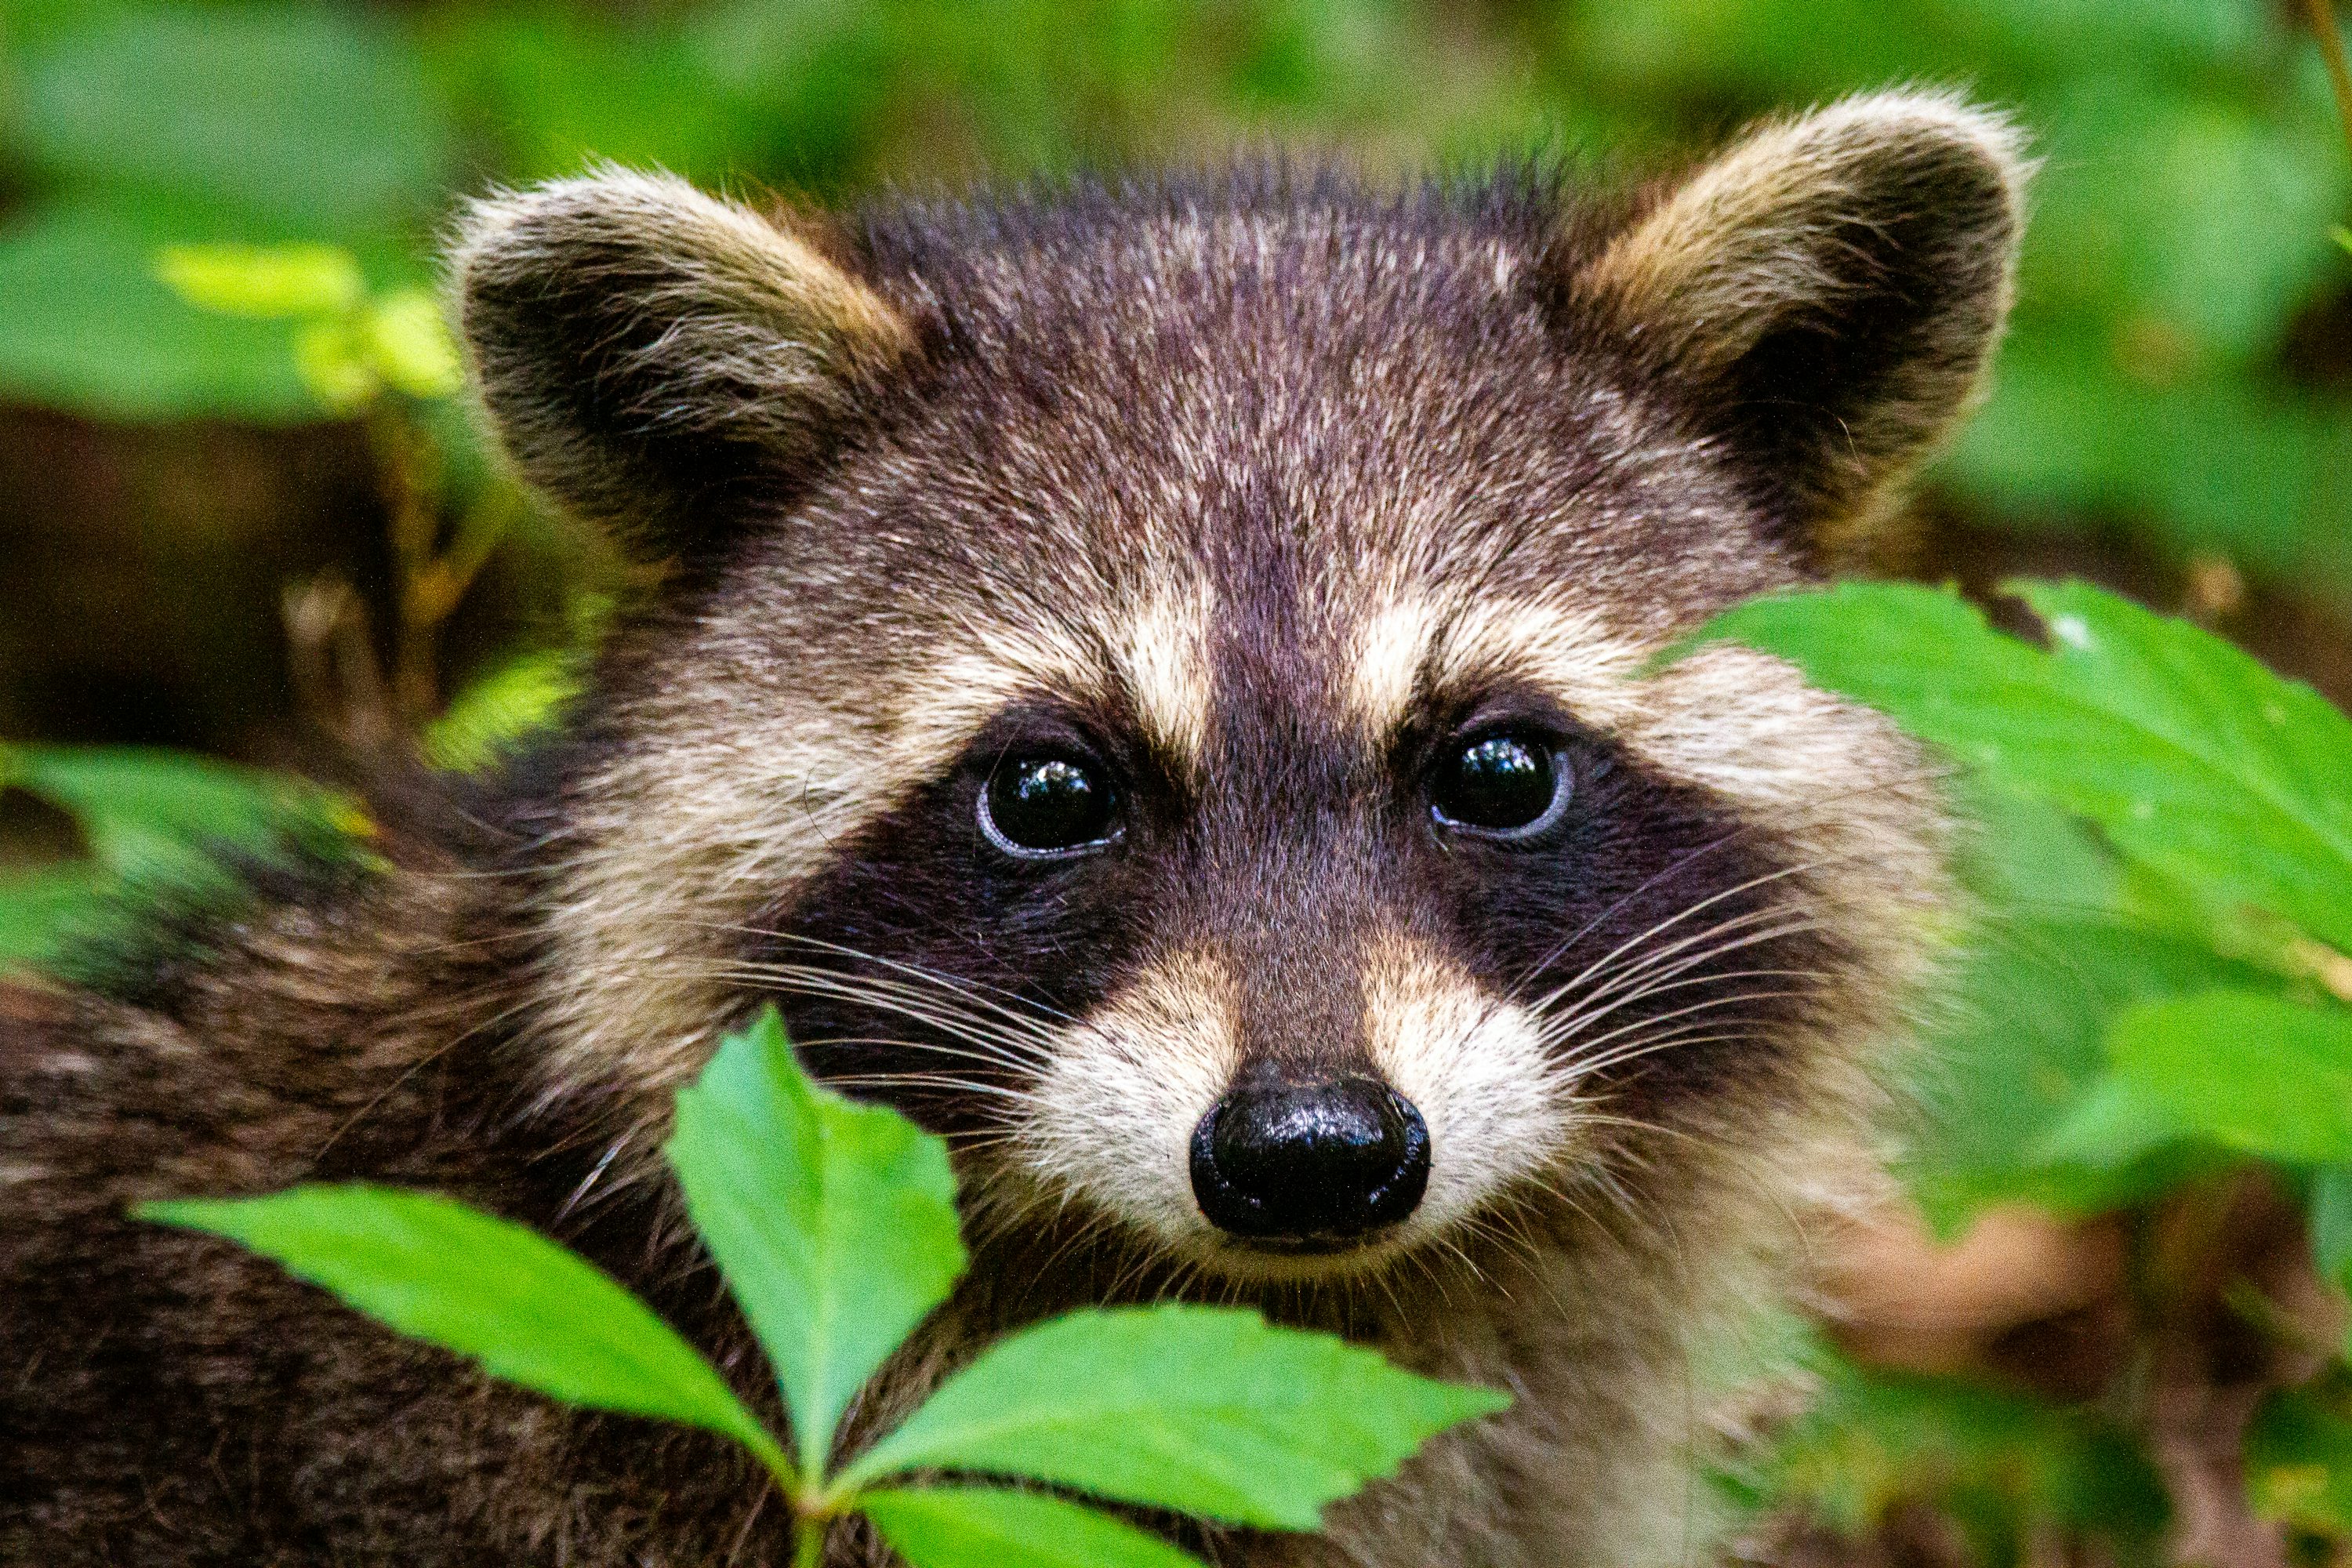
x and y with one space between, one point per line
1644 904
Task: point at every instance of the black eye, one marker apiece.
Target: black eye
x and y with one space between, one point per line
1045 805
1503 782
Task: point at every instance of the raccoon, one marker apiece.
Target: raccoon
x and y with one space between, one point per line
1161 681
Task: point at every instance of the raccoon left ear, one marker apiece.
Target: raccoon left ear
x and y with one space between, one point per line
645 350
1825 296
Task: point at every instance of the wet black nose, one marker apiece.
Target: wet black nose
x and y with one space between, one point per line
1309 1163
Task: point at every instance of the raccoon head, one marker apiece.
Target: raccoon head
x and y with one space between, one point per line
1159 681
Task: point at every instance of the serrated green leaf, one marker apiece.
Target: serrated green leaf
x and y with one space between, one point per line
834 1223
1924 655
2234 778
1211 1412
979 1527
2190 755
2255 1073
529 1310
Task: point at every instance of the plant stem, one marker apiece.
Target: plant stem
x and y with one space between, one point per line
808 1547
2331 49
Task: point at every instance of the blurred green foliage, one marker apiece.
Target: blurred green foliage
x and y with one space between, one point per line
2191 170
2013 1473
156 823
2157 993
228 211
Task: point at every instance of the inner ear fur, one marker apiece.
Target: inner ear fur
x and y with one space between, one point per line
643 348
1824 297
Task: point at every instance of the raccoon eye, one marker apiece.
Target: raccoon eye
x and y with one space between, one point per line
1502 783
1036 807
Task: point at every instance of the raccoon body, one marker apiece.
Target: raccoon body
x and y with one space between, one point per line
1160 683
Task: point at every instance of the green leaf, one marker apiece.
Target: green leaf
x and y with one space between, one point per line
149 813
2014 1074
490 716
2191 757
410 346
2115 1125
265 282
315 118
2024 859
2299 1458
835 1222
2331 1224
976 1527
2226 775
41 909
2255 1073
90 326
529 1310
1208 1411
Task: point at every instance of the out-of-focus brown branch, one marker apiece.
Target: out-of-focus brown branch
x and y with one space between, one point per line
337 679
429 581
1898 1298
410 486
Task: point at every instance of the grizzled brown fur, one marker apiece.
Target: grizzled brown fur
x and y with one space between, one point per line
1256 494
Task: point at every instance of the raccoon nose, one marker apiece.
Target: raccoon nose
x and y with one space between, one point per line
1312 1162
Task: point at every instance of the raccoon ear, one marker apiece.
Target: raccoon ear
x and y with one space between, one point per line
644 350
1825 294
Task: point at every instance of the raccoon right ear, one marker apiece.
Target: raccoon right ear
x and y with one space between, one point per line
645 351
1824 296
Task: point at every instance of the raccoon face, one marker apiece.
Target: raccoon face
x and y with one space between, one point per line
1160 684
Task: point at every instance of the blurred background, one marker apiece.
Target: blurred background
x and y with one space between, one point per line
243 514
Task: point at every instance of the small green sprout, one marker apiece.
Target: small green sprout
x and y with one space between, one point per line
350 345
